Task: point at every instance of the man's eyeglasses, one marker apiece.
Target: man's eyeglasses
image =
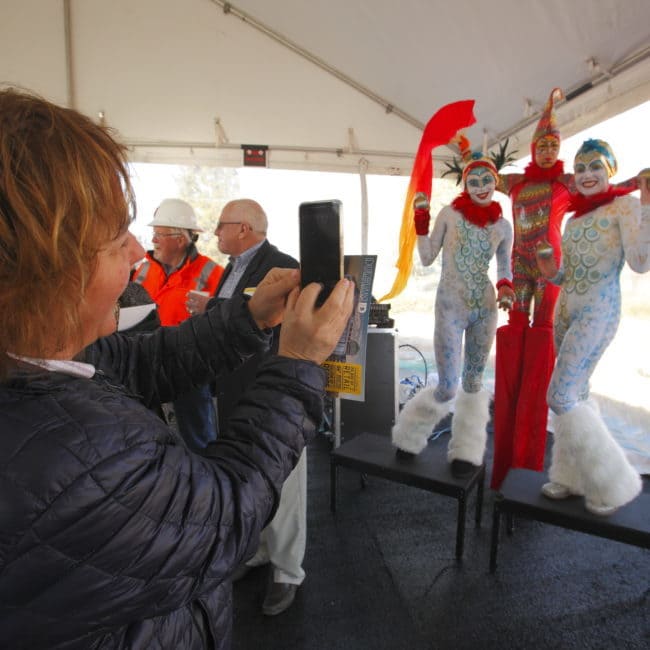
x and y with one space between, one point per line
227 223
162 235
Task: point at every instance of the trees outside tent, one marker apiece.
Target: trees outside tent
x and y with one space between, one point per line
207 190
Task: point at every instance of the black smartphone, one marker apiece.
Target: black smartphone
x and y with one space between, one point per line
321 245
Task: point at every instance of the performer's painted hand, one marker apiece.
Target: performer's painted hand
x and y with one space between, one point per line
505 298
422 216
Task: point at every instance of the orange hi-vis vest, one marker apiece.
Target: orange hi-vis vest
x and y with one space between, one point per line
169 292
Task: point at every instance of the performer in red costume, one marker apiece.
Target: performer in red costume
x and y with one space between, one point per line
525 353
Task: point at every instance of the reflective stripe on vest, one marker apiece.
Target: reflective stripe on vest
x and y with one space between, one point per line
206 271
142 273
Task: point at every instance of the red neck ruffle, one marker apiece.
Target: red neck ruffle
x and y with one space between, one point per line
581 204
477 214
534 172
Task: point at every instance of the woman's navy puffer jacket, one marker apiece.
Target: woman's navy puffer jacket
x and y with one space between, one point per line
112 533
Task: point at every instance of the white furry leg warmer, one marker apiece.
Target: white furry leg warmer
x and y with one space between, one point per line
417 420
468 427
587 460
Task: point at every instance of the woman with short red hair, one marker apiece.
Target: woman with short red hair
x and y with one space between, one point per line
113 534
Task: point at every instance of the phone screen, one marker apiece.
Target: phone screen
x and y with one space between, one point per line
321 245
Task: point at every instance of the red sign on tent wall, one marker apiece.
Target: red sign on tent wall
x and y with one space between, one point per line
254 155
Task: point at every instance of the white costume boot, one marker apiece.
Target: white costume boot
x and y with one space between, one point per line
417 420
587 460
468 431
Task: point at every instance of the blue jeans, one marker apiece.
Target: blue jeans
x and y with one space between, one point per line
196 417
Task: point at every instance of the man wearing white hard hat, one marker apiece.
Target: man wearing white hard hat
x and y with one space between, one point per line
175 266
169 271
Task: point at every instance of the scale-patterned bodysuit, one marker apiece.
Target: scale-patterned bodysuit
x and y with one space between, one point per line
586 458
465 299
594 248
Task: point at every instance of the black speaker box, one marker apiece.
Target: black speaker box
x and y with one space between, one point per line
377 413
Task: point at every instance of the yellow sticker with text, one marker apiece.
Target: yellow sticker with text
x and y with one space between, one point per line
343 377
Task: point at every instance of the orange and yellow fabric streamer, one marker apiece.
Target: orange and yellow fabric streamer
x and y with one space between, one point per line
440 129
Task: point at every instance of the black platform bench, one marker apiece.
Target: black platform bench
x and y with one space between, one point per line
520 495
375 455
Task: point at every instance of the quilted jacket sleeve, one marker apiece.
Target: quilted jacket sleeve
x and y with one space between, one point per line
157 366
114 521
180 522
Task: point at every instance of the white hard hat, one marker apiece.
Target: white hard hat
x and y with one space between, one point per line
175 213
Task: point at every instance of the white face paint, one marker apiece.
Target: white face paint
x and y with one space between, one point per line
480 185
590 173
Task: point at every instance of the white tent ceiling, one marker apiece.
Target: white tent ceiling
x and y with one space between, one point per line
325 85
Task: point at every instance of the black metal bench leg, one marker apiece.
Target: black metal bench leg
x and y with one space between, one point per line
333 480
460 527
480 491
496 522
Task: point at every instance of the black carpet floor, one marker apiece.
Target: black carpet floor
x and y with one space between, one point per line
382 575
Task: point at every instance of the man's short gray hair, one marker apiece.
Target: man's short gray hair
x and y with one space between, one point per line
250 212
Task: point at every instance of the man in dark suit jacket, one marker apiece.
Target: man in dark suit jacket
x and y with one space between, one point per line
241 232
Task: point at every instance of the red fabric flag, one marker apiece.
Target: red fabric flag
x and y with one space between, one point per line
440 129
